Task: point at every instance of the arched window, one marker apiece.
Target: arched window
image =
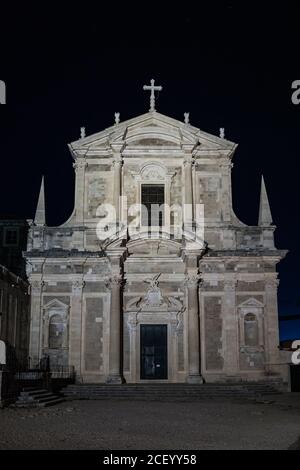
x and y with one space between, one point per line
251 329
57 328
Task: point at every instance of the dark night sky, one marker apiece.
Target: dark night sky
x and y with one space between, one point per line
229 64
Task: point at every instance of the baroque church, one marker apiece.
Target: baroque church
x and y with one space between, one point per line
185 292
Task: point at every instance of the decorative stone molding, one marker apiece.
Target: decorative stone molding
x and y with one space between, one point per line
117 161
251 302
132 323
153 171
188 161
180 319
114 281
192 280
77 286
80 164
272 284
56 303
37 287
175 304
154 301
230 285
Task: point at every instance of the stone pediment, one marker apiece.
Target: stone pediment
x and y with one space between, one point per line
149 130
154 301
252 302
55 303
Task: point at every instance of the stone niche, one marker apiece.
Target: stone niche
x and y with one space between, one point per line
56 332
251 334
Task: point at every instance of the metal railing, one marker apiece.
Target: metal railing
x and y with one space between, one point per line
62 372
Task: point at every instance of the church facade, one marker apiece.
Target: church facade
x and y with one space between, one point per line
184 293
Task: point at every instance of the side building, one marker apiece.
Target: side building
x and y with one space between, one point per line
14 291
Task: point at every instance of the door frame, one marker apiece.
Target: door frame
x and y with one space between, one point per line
165 329
133 320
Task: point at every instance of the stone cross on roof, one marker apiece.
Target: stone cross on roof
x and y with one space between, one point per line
152 88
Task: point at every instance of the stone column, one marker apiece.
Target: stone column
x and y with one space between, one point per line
271 325
114 360
36 323
80 166
230 329
117 164
194 375
188 190
75 328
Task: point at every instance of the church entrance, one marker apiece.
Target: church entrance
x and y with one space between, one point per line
154 351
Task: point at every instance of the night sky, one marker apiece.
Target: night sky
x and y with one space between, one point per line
229 64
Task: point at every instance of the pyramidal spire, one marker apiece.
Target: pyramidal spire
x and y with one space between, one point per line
40 218
265 216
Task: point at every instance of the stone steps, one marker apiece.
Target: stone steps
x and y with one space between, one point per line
168 391
37 398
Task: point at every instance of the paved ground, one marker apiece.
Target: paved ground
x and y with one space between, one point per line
111 425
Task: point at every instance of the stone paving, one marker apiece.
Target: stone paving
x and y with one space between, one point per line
270 423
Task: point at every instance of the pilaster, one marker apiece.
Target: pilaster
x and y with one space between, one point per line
191 284
114 360
230 328
79 166
36 322
75 326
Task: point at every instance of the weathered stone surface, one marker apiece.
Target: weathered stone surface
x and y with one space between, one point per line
93 334
213 333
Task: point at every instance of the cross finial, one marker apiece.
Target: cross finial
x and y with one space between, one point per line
117 118
152 88
82 132
187 118
222 132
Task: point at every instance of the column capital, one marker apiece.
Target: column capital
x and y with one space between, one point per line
117 161
192 280
80 164
37 286
272 283
77 286
116 280
188 161
230 284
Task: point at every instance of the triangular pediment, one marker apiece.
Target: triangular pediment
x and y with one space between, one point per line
252 302
55 303
150 130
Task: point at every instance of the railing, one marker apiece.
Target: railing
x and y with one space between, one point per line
29 375
62 372
32 378
53 379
